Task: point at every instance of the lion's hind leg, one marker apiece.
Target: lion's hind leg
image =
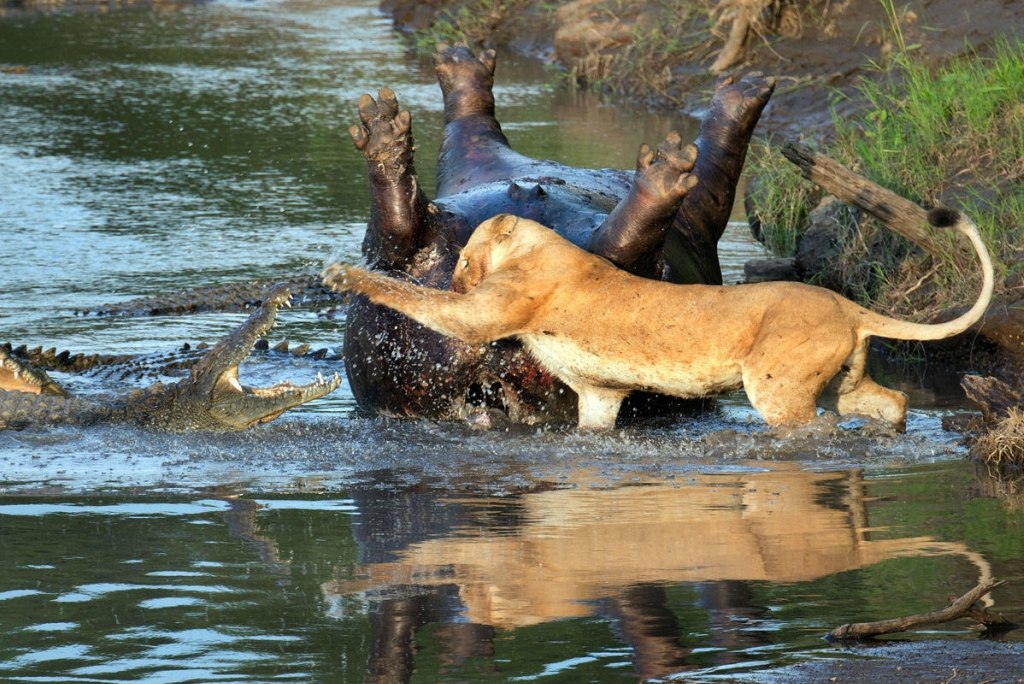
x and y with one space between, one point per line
783 382
779 405
853 393
871 400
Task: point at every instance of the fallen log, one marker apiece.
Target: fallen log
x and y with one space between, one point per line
899 214
961 607
993 396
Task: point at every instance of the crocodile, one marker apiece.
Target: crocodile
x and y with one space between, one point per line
134 368
663 220
210 398
307 290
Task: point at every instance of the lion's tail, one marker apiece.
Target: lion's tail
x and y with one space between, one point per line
883 326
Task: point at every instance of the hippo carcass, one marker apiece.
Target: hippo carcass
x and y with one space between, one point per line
652 222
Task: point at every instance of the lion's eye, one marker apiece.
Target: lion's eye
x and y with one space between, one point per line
464 263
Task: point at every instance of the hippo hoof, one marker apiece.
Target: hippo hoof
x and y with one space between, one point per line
665 173
742 100
384 133
458 69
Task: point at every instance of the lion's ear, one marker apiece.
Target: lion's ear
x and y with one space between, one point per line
504 226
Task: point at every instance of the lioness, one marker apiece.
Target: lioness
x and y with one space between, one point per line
604 332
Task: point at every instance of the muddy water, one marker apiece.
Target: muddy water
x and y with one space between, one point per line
142 152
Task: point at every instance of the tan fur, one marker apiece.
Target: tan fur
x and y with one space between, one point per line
605 332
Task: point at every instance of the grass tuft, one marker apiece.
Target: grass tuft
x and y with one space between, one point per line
477 23
1003 445
779 198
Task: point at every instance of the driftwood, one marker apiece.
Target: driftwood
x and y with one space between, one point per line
993 396
897 213
961 607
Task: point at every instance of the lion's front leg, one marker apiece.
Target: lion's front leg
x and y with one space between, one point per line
474 318
598 406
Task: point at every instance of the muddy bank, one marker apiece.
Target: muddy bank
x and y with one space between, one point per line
671 54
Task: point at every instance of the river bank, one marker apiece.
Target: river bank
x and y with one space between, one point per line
670 53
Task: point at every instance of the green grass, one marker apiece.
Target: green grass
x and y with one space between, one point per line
782 198
643 67
953 136
479 23
934 131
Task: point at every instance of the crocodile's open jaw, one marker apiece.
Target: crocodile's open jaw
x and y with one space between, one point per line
237 406
17 375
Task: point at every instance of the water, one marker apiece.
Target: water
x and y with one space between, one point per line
146 151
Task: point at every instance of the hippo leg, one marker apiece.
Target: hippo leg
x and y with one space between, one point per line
399 225
473 148
691 246
633 233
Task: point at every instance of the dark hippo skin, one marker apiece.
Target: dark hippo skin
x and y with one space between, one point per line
662 220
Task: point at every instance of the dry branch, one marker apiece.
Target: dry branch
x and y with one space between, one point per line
733 49
748 19
963 606
897 213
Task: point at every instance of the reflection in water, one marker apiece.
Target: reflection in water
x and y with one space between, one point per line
1005 484
576 551
399 581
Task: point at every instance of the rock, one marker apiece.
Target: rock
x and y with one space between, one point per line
1003 325
766 270
829 226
